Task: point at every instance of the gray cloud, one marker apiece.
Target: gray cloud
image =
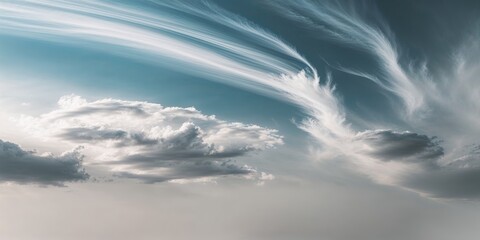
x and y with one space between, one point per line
447 182
459 178
25 167
407 146
438 177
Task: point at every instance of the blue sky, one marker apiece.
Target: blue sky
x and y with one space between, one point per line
319 110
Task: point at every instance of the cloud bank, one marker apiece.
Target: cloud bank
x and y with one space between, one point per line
153 143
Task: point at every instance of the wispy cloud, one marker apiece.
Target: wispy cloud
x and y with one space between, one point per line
179 36
346 23
443 105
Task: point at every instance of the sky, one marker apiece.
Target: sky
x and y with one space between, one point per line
255 119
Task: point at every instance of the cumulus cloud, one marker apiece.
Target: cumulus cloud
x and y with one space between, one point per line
148 141
27 167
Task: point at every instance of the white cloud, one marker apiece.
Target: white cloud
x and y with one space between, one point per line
151 142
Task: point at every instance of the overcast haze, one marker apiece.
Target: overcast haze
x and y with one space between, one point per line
257 119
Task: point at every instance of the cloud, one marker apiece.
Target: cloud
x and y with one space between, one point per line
440 100
401 146
26 167
459 183
426 168
148 141
349 23
457 178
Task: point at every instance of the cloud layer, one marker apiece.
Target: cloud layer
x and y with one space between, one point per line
151 142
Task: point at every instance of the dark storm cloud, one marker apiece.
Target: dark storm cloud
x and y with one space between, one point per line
24 167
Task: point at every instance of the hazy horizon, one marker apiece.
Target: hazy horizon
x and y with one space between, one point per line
255 119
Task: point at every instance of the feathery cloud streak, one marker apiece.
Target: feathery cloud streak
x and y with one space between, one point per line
178 36
346 23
